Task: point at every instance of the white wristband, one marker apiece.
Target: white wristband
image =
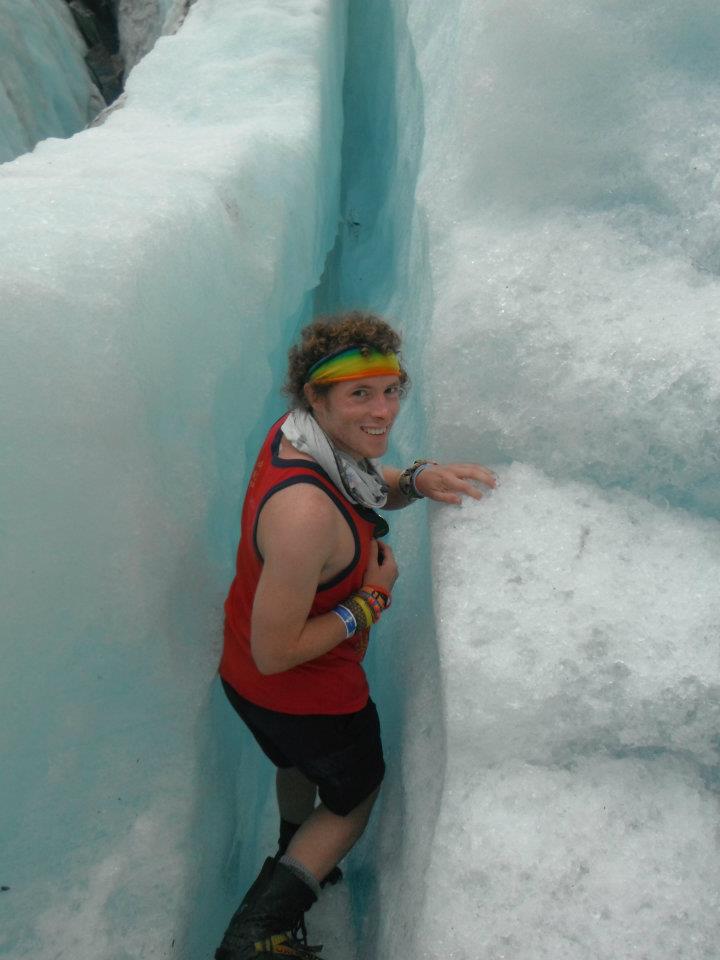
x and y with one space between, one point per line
415 474
347 618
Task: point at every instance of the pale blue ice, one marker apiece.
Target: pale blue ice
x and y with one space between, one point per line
45 88
530 191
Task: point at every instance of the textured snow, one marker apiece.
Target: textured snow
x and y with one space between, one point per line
567 220
574 243
571 622
608 858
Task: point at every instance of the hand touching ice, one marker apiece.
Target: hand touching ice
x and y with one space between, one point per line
447 483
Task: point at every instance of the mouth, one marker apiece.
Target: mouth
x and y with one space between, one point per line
374 431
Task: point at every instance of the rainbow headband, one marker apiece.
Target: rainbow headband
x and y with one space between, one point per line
353 364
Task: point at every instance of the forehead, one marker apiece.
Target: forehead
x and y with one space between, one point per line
367 383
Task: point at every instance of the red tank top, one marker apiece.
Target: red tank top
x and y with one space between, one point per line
335 682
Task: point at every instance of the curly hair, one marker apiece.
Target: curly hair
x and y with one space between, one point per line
325 335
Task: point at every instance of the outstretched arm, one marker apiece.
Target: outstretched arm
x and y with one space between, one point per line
395 500
449 482
443 482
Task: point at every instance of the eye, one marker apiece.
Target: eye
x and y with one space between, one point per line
360 392
394 391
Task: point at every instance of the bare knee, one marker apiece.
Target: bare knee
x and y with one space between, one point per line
360 814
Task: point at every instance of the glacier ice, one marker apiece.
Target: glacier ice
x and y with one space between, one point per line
571 622
566 221
141 23
529 191
606 859
575 238
45 87
159 263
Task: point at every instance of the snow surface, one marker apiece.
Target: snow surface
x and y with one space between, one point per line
528 189
566 225
45 88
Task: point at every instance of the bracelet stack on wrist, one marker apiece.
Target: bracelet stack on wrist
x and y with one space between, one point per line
348 619
362 609
406 480
377 597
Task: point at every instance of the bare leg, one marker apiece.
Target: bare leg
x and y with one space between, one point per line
295 795
325 838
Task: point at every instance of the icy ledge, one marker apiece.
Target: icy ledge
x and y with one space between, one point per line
578 645
154 267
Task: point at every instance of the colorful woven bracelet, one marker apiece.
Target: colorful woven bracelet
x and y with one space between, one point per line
376 605
348 619
381 591
377 598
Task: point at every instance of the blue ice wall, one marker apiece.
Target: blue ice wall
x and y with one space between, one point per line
380 263
149 289
45 87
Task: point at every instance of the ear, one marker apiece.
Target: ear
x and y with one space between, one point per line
310 395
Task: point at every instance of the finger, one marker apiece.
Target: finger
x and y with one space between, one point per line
447 497
475 472
458 485
471 491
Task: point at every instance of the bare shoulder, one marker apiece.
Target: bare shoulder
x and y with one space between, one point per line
300 503
299 516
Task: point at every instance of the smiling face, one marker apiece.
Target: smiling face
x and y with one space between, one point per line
358 414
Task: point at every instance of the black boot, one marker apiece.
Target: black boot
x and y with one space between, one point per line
287 832
266 923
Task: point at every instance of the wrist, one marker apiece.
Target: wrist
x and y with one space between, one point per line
363 608
348 618
384 594
408 477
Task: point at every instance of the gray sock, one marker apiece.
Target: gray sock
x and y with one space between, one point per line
302 873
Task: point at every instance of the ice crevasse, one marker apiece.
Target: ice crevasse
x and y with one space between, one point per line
529 191
45 87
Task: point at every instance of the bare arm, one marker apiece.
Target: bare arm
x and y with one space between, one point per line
395 500
446 483
297 535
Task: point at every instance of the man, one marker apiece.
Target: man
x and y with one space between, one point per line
312 577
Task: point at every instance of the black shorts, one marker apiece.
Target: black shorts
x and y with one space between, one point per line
340 753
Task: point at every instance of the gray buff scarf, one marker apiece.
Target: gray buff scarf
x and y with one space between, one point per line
361 481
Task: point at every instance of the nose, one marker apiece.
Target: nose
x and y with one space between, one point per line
381 408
